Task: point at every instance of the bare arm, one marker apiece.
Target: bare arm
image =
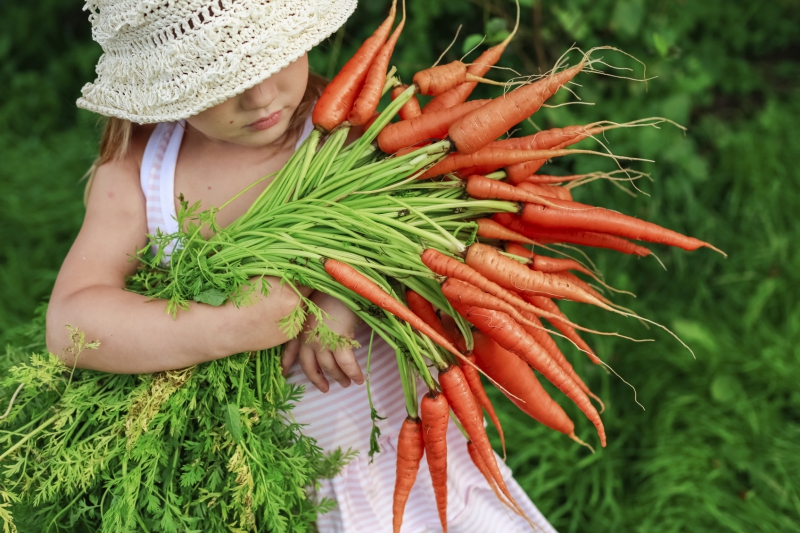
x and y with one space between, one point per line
137 336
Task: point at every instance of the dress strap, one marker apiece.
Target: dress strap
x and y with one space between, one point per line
157 176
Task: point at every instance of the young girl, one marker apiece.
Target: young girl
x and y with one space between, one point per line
204 98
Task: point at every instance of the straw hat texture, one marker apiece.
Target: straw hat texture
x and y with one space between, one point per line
166 60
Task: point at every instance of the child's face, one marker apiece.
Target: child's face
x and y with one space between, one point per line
259 116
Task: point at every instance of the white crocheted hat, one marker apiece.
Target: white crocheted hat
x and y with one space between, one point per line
166 60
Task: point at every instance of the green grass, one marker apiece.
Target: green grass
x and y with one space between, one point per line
717 447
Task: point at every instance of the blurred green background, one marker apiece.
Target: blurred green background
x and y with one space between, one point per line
718 446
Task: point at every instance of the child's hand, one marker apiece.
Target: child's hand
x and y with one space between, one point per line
339 363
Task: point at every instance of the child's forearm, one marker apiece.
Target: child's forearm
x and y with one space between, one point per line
137 336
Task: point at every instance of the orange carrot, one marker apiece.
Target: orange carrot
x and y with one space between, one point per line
455 388
489 229
451 268
427 126
520 172
514 375
546 178
584 238
543 338
576 216
435 412
481 466
489 156
511 336
337 99
546 264
474 381
363 286
548 191
521 251
465 294
479 128
436 80
423 309
411 108
572 278
542 263
556 138
484 188
515 276
410 449
558 320
367 101
479 67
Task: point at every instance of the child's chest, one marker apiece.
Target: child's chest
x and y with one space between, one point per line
214 177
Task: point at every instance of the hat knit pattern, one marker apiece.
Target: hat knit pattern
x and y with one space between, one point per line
166 60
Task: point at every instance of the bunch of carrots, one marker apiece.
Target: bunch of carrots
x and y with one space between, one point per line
425 227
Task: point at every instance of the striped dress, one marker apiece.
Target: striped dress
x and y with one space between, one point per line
340 418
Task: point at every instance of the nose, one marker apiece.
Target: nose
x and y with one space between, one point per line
259 96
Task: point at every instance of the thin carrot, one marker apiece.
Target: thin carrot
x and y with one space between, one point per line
466 295
556 138
434 412
543 263
427 126
451 268
543 338
521 251
337 99
492 157
474 381
584 238
367 101
484 188
436 80
576 216
547 191
423 309
363 286
454 386
481 466
546 178
456 290
518 379
479 67
511 336
411 108
489 229
559 320
520 172
410 449
477 129
572 278
515 276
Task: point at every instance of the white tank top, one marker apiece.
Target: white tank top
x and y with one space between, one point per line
340 418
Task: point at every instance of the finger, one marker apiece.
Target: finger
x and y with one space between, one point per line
308 362
346 360
329 365
290 354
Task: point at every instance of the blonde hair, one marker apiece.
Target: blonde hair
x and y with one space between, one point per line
116 138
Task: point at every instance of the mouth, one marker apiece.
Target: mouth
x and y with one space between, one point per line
266 122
